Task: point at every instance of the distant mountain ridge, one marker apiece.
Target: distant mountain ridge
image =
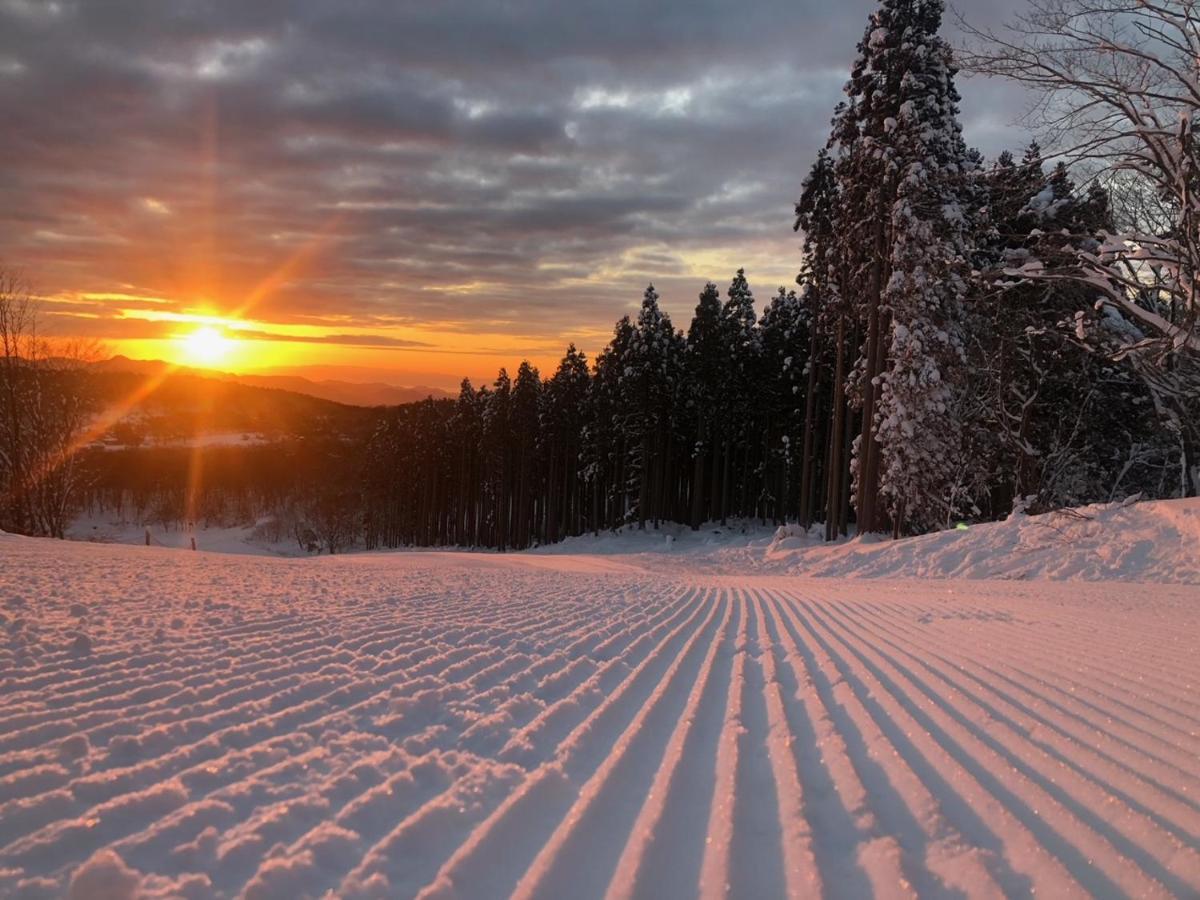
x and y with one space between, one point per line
346 392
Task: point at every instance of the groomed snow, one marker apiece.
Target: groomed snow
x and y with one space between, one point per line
474 725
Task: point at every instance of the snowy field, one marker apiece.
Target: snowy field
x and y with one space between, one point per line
1155 541
177 724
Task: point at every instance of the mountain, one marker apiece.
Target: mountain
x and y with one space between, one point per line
164 405
350 393
357 375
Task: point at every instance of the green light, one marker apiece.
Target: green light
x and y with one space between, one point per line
961 526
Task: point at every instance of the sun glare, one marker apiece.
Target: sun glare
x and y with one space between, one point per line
206 346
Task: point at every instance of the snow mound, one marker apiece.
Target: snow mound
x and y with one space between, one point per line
1154 541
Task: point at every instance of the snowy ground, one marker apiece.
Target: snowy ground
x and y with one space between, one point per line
567 725
1155 541
107 528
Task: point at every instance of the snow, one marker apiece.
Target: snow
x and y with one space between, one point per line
1155 541
651 717
1147 542
192 441
108 528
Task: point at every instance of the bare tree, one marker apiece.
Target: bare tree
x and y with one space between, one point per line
328 519
44 410
18 341
1118 83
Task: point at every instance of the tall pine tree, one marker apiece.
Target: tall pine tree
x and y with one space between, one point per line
903 173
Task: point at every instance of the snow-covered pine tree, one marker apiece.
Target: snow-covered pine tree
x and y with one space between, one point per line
604 437
736 400
902 171
704 369
562 420
824 467
784 340
496 433
651 375
466 426
919 436
866 171
523 422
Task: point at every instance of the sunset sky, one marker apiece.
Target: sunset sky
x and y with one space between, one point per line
425 189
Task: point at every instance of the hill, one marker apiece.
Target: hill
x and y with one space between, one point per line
167 405
350 393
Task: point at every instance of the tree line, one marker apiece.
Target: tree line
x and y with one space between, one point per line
665 426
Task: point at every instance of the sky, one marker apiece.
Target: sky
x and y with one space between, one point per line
413 190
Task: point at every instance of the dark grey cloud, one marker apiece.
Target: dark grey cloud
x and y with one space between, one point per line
507 166
374 341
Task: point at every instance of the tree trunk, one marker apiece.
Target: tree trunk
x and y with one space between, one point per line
868 464
833 491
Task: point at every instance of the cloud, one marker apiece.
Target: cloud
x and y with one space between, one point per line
510 166
83 319
374 341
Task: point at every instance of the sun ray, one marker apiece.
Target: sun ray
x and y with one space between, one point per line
106 419
290 266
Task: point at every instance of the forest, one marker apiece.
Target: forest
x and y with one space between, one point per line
967 338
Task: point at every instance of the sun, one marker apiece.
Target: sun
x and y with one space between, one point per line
206 346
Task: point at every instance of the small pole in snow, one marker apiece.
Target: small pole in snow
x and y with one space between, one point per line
147 537
193 542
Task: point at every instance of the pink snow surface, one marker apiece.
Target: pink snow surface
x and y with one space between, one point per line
470 725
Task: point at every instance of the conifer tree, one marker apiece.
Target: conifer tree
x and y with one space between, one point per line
496 432
563 419
824 466
705 374
784 342
903 172
604 438
650 378
523 424
739 339
466 428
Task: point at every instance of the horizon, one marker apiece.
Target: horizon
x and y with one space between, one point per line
283 188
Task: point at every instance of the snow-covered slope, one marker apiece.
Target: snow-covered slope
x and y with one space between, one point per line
1155 541
469 725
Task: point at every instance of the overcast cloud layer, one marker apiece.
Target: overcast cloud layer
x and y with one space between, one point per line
518 168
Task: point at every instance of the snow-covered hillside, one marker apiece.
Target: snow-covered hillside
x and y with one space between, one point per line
470 725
